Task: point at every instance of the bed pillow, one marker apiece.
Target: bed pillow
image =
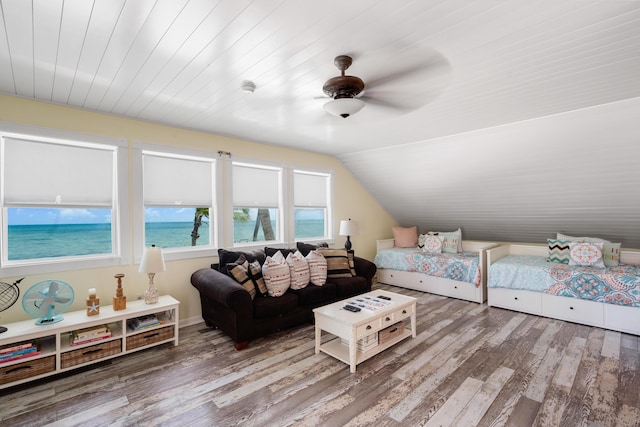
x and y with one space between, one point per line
452 240
277 277
559 251
405 237
433 244
298 270
610 251
337 262
317 268
586 254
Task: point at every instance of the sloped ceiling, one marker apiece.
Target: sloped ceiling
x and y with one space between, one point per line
434 70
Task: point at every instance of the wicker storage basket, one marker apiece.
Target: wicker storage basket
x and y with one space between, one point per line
87 354
149 337
28 369
390 332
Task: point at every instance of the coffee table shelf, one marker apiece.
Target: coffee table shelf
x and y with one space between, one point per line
351 327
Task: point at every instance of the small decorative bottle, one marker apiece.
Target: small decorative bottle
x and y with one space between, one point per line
120 300
93 303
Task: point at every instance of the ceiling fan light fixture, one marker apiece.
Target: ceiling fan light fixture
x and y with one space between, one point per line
248 86
343 107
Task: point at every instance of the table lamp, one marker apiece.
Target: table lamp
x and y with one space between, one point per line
348 228
152 263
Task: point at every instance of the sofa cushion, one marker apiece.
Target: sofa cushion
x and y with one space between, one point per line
264 308
317 268
337 262
298 270
239 270
272 251
349 286
277 276
255 272
229 257
305 248
316 295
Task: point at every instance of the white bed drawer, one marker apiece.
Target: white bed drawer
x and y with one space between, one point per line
573 310
462 290
514 299
620 318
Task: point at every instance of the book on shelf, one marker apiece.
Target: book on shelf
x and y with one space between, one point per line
143 322
83 336
18 351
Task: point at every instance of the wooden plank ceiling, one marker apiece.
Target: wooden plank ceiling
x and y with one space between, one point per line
452 66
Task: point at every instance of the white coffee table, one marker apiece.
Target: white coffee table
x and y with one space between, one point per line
334 319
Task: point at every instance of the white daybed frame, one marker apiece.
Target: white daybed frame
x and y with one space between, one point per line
438 285
608 316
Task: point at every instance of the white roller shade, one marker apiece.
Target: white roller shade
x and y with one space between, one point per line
255 186
177 181
44 173
310 190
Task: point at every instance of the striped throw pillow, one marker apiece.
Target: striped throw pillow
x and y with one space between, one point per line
239 270
558 251
298 270
337 262
255 272
317 268
276 275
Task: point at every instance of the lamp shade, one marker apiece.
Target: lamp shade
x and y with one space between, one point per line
349 228
343 107
152 260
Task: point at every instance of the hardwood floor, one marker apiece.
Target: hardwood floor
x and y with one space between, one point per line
470 365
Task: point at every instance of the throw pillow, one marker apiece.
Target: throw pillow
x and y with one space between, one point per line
317 268
586 254
453 235
255 272
239 270
405 237
433 244
305 248
352 262
275 271
337 262
559 251
610 251
298 270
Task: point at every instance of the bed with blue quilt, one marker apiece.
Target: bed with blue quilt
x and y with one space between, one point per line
520 278
458 275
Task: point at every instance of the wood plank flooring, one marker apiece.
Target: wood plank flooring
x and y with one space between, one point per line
470 365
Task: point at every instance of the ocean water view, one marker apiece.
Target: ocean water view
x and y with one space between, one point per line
50 241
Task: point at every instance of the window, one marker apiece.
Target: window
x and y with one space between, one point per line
178 193
257 201
311 196
61 201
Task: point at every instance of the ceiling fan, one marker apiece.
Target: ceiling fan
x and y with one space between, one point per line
420 78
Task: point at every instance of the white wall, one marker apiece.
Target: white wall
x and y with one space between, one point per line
576 172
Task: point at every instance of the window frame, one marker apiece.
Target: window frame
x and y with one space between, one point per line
186 252
120 224
328 237
282 217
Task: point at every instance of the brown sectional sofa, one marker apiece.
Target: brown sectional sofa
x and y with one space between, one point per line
228 306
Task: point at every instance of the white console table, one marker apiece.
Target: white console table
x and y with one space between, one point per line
56 354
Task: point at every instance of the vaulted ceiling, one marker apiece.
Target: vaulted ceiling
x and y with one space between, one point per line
433 68
511 119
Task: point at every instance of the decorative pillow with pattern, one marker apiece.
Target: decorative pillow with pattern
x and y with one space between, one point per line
337 262
586 254
239 270
298 270
559 251
451 239
255 272
277 276
317 268
610 251
433 244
